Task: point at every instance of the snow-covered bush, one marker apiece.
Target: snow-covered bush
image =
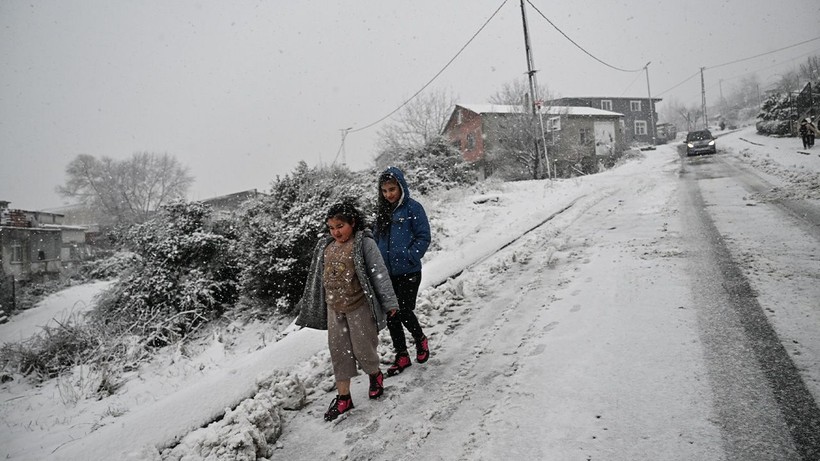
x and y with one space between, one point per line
778 106
185 275
278 232
52 351
435 165
108 267
776 114
774 127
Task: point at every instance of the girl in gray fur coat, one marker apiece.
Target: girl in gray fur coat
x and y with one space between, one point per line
348 293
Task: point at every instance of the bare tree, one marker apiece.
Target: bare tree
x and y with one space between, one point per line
417 123
684 117
517 92
125 191
517 151
810 71
788 82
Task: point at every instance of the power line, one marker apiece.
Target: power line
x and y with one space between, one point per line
763 54
739 60
814 51
579 46
435 76
681 83
631 83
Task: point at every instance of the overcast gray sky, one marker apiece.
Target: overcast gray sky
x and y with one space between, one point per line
241 91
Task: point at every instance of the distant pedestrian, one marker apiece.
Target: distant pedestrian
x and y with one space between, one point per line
403 236
812 132
348 293
804 133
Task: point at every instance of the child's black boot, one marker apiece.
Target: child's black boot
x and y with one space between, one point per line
402 362
339 405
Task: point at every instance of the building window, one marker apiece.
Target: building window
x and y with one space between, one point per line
606 104
470 141
17 253
640 127
554 124
584 135
635 106
459 118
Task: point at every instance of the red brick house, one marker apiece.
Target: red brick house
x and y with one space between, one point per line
570 132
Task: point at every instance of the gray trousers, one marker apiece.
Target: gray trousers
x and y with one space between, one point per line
351 338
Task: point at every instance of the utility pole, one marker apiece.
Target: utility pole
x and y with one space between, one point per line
534 107
703 100
651 105
341 151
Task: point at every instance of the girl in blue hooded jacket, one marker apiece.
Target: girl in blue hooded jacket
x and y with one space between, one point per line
403 236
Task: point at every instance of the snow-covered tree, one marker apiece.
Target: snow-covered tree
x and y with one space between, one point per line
185 275
279 231
435 165
125 191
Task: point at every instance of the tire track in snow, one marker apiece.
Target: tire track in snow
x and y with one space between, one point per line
747 360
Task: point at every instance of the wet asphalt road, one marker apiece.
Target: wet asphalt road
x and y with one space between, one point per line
763 407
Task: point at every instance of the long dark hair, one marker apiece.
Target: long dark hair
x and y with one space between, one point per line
348 212
384 209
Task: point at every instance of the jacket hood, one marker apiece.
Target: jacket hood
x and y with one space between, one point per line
399 175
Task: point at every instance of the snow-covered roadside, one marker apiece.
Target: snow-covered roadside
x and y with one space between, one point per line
779 161
472 226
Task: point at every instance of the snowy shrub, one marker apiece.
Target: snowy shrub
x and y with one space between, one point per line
52 351
278 232
775 114
86 381
108 267
774 127
434 166
185 275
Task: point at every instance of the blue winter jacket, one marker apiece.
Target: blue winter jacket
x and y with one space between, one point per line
404 243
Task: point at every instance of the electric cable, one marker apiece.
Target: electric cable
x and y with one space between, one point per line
579 46
740 60
681 83
762 54
435 76
630 84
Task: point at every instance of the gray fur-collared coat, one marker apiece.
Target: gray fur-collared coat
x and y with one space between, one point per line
372 273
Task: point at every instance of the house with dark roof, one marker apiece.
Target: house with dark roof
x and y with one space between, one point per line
571 133
640 114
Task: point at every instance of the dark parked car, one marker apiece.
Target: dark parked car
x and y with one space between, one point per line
700 142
